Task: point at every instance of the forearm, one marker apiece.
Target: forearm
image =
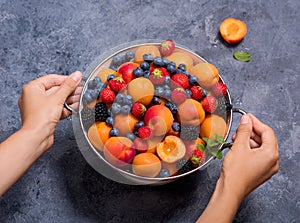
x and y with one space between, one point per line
17 154
222 206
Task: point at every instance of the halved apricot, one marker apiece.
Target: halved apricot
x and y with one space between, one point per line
171 149
233 30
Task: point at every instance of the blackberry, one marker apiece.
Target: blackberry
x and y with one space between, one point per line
189 133
87 117
101 112
223 107
183 166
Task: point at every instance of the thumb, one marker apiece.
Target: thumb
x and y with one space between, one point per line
244 130
68 86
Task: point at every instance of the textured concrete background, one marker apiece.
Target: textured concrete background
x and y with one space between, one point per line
55 36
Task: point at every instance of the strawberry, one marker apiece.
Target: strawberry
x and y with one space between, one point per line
138 110
107 96
209 104
144 132
167 47
198 93
178 95
198 157
158 75
219 89
117 84
140 145
180 79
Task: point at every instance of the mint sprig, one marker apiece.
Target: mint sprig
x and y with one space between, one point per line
242 56
212 146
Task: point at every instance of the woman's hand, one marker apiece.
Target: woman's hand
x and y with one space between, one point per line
42 103
252 160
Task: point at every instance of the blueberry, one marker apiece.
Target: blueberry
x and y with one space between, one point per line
130 136
189 93
125 109
159 91
173 108
117 60
114 132
182 67
158 62
166 63
91 85
129 55
145 65
139 124
114 67
176 126
109 112
164 173
128 100
120 98
148 58
156 100
171 68
186 73
87 98
116 108
167 80
146 74
193 80
138 72
94 93
204 92
167 93
101 86
111 76
109 121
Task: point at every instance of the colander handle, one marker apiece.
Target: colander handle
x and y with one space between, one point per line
68 107
229 144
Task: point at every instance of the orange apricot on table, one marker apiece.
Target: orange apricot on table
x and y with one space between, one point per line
142 90
207 74
171 149
98 134
125 123
233 30
213 124
146 49
190 112
146 164
181 58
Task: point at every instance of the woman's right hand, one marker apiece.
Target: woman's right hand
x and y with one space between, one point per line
253 158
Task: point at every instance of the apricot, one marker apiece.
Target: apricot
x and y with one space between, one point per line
124 123
207 74
146 49
171 149
213 124
233 30
146 164
181 58
159 118
119 151
98 134
142 90
104 73
153 142
190 112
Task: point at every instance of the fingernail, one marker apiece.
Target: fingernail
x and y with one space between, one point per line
244 119
76 76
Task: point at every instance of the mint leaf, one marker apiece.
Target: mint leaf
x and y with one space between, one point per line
212 146
201 147
242 56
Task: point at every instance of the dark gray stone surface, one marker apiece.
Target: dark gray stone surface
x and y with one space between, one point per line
54 36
